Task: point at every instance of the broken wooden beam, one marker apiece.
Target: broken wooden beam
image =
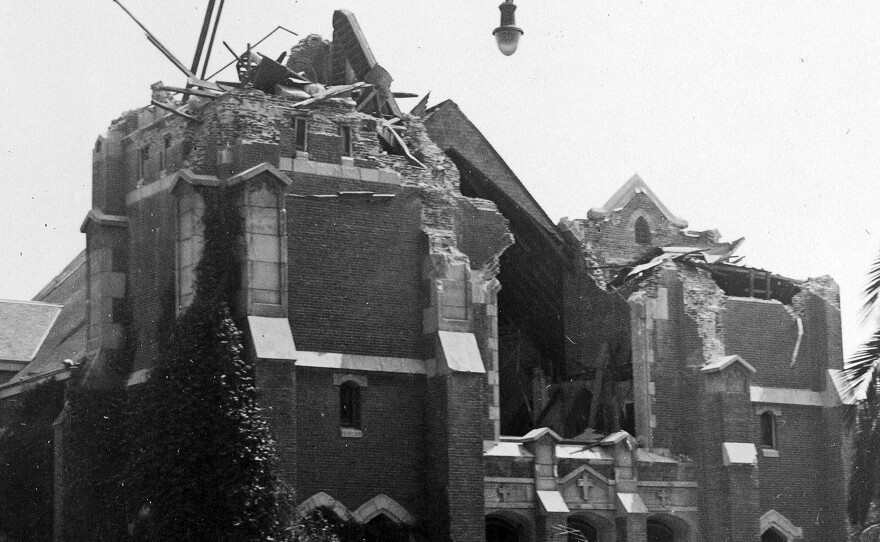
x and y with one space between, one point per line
170 109
191 91
331 92
156 42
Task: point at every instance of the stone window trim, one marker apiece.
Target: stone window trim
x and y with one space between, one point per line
782 525
350 432
341 378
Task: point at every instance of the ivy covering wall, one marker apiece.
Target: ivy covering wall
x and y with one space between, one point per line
201 461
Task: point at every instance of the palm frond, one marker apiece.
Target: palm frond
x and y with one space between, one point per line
862 367
872 290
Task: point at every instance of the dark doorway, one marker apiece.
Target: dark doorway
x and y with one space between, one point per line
580 530
658 532
772 535
383 529
501 530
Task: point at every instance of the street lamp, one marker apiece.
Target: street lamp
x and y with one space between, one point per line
507 35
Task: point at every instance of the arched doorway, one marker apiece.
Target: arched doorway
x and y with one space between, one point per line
383 529
659 532
499 529
581 530
772 535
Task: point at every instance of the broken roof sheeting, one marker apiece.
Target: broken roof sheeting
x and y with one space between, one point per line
24 326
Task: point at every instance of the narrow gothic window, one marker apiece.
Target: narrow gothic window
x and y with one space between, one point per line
301 133
143 156
643 231
165 148
345 134
350 405
768 430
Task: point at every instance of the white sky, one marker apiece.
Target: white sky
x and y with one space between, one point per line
756 118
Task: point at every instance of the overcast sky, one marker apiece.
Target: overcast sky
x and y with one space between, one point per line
759 119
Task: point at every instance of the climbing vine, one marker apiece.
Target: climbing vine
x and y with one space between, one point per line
201 462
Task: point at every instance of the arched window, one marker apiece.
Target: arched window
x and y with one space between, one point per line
643 231
659 532
772 535
350 405
580 530
768 430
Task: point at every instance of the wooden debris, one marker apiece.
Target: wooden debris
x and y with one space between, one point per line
330 93
389 131
156 42
209 85
421 107
175 111
191 91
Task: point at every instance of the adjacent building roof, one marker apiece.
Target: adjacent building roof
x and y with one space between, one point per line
65 337
24 326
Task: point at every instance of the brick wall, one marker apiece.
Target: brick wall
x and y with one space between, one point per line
794 484
764 334
151 274
355 271
613 240
389 458
455 456
675 372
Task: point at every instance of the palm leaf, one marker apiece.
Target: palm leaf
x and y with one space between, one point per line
872 290
862 367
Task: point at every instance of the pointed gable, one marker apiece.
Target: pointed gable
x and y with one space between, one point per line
632 226
623 196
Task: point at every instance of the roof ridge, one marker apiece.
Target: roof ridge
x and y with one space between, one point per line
31 302
60 278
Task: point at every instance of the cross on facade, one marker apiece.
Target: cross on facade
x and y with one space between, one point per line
506 492
664 495
585 486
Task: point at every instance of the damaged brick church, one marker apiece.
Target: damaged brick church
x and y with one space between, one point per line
430 346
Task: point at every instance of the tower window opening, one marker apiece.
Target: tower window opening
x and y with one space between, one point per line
350 405
143 156
768 430
346 141
301 134
165 149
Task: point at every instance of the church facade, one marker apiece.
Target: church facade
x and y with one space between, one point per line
431 349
